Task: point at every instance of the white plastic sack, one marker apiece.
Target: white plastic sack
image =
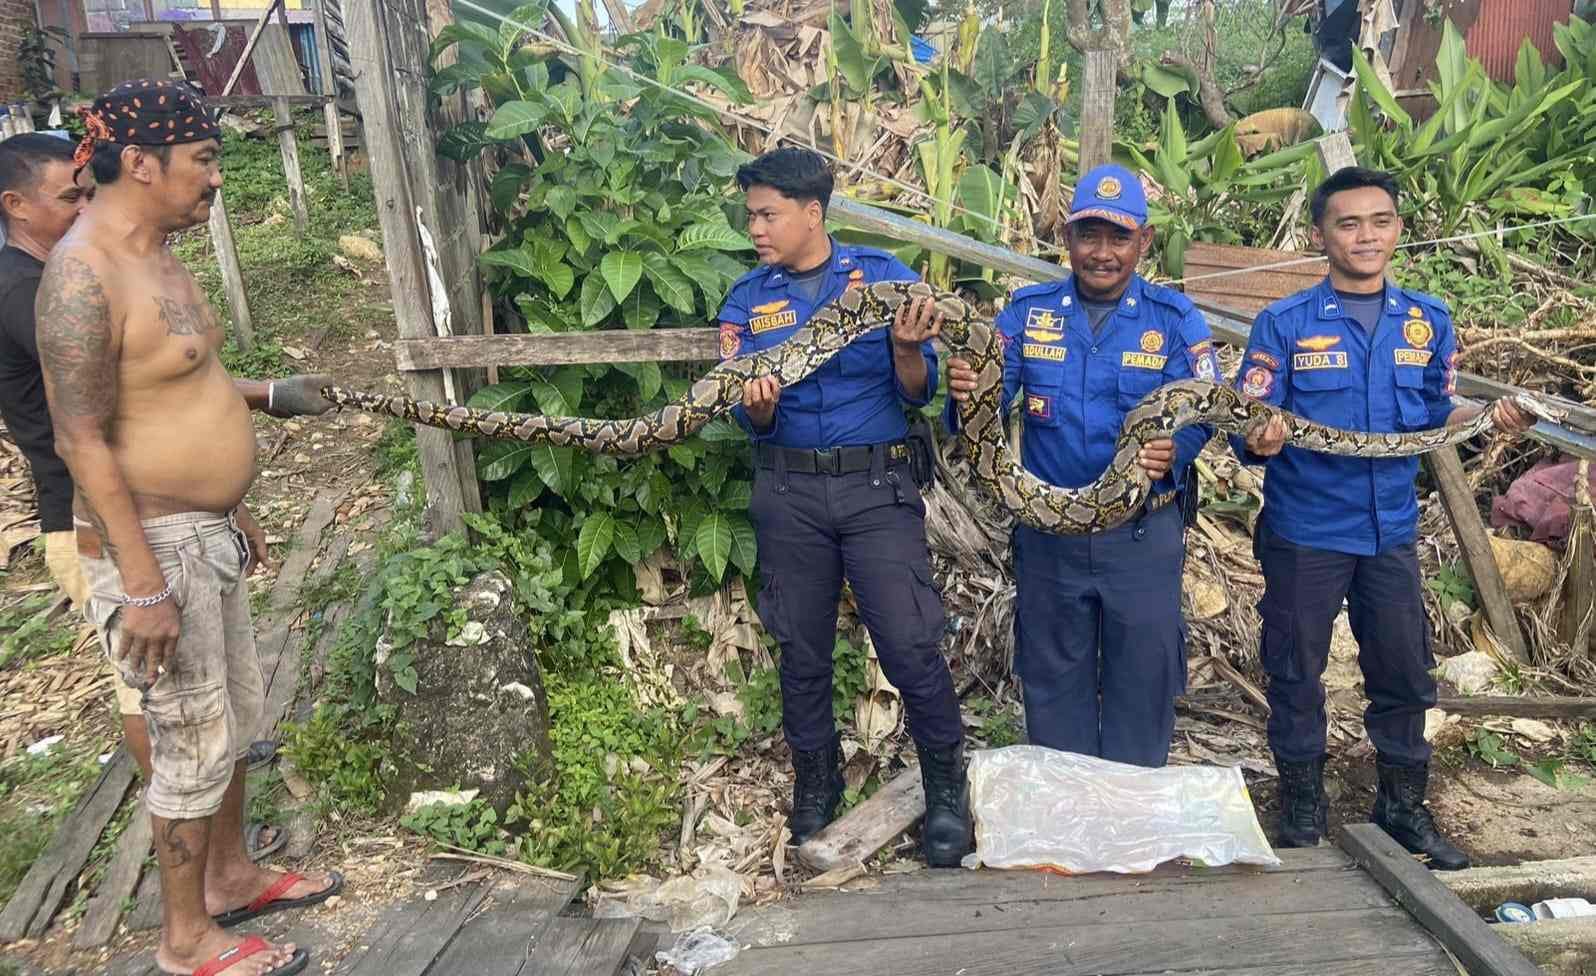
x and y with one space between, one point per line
1037 807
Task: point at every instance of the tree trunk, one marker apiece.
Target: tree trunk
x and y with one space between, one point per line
1209 96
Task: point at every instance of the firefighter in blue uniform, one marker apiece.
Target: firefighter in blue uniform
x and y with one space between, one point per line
1099 639
1359 353
835 498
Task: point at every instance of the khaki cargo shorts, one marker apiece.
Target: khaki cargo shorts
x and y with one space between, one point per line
61 559
206 708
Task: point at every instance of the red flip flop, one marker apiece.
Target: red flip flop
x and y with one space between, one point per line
271 899
251 946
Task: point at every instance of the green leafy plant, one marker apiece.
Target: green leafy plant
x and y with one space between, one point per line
1451 584
36 57
625 226
473 826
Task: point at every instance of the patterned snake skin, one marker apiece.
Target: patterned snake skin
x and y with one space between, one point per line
1114 497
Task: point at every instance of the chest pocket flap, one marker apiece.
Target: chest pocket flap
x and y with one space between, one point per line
1320 379
1410 398
1134 384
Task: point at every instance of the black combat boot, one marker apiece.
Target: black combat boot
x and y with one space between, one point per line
816 790
1399 810
945 836
1304 811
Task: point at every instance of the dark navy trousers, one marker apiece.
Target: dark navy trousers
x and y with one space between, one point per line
1303 591
867 527
1100 645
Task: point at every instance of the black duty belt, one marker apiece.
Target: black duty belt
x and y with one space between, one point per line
832 461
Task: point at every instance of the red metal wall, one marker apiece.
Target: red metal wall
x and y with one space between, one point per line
1502 25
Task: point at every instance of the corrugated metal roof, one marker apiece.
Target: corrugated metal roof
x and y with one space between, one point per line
1502 25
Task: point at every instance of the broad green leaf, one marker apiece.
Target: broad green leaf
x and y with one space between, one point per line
745 550
525 488
551 399
719 237
684 455
560 200
650 536
570 380
506 186
1227 156
712 79
714 543
461 74
553 465
464 142
498 460
640 310
736 495
993 65
855 67
596 300
517 260
593 542
720 430
626 544
647 375
522 20
669 52
602 152
509 395
467 33
1171 158
1370 83
621 270
981 191
670 284
1165 82
576 233
567 98
513 120
709 279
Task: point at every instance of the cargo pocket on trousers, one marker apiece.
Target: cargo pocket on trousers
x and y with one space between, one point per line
189 744
1279 647
771 614
927 604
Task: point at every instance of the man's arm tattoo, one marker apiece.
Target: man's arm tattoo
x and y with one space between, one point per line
75 341
183 319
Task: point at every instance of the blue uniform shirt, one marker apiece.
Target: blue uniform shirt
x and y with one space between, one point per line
1307 356
854 398
1079 385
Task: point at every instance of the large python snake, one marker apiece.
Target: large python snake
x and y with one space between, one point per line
1114 497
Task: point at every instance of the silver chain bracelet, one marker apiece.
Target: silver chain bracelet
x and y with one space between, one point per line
145 601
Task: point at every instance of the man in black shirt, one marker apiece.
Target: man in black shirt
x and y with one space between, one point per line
38 202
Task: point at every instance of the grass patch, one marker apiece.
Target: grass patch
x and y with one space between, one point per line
36 792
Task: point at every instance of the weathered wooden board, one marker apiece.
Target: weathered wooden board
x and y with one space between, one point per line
410 936
588 947
1457 500
1247 291
500 939
1108 946
929 903
859 833
44 887
281 668
1434 905
117 886
560 349
1541 706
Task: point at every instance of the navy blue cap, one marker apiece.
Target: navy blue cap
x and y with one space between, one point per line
1111 193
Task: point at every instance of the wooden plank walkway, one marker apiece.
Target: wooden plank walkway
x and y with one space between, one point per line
504 925
1317 914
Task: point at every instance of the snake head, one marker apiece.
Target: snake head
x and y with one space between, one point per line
1538 408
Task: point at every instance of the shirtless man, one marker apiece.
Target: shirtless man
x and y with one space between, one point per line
162 451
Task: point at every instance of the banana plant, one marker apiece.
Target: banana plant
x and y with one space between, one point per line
1208 183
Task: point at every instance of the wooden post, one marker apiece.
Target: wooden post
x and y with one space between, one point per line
329 87
232 275
290 147
1579 592
1097 109
249 47
449 473
1457 500
216 9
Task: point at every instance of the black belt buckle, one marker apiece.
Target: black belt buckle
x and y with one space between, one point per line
828 461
